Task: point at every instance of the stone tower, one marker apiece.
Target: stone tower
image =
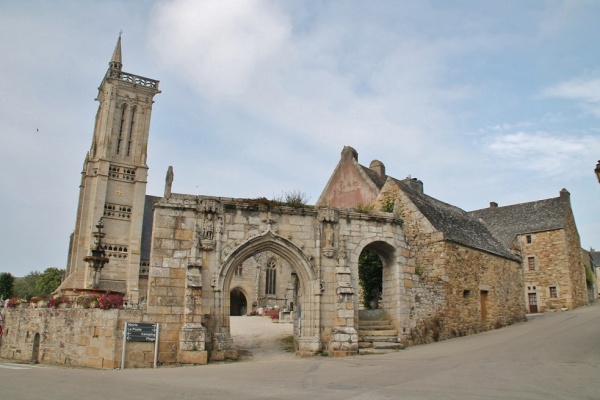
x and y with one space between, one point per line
113 182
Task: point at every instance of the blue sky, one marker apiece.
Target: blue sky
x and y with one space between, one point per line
483 101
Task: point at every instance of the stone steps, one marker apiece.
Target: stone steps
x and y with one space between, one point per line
377 336
377 332
367 352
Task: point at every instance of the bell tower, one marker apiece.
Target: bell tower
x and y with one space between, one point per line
113 183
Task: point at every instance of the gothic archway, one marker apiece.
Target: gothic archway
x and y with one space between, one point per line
307 334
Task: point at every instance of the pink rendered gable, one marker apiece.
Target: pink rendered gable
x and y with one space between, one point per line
349 185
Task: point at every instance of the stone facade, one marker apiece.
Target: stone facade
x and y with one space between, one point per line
189 262
544 234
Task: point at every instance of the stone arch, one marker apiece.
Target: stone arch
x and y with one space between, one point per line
307 333
393 283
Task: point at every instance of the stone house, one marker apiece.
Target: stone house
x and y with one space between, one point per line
461 279
543 233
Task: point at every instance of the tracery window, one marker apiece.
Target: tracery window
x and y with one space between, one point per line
271 277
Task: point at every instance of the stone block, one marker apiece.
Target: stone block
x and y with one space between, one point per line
110 364
92 362
192 357
184 234
91 351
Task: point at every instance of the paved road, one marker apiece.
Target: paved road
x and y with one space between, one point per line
555 356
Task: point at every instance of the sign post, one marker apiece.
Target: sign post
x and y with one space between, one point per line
140 332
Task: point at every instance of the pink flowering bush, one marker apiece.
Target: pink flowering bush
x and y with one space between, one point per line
110 301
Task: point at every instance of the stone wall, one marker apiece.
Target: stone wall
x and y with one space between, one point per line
558 265
74 337
453 290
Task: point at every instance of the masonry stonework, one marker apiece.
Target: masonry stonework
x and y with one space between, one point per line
189 262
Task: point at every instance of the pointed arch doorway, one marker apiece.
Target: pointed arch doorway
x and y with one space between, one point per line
307 297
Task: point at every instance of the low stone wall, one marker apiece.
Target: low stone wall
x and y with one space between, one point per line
73 337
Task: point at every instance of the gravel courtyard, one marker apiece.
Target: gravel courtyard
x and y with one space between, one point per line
257 338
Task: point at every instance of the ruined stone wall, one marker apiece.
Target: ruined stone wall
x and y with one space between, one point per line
74 337
172 240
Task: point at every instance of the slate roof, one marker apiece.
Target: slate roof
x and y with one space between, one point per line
595 258
456 224
537 216
374 176
147 227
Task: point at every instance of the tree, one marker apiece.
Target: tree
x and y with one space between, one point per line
7 283
370 276
25 286
49 280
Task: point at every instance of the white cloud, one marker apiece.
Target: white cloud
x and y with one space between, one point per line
218 45
546 154
583 90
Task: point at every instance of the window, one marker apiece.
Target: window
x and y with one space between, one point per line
528 238
531 263
553 292
271 278
239 270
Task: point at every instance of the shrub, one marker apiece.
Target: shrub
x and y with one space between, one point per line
110 301
14 301
364 208
86 300
293 198
54 302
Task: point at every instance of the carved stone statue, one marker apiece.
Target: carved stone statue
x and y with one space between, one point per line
169 181
328 236
209 227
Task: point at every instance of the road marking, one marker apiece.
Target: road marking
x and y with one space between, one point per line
16 366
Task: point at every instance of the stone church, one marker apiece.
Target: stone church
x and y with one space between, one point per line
189 262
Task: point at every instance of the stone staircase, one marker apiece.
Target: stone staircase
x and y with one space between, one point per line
376 334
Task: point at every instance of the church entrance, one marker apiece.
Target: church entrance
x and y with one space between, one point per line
238 304
281 278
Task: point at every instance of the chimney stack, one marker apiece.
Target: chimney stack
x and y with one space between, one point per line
378 167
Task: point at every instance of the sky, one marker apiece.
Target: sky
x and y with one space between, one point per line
482 101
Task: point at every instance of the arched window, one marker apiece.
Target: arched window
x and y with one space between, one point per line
133 110
121 128
271 277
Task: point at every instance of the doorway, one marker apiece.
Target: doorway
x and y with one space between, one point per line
238 304
533 308
36 349
483 299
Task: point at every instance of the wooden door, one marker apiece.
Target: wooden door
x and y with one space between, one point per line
483 298
533 308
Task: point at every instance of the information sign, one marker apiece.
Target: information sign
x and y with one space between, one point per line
140 332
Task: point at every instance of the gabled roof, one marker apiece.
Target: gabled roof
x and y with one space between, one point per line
456 224
374 176
595 258
518 219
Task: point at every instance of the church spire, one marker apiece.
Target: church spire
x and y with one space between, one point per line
116 60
